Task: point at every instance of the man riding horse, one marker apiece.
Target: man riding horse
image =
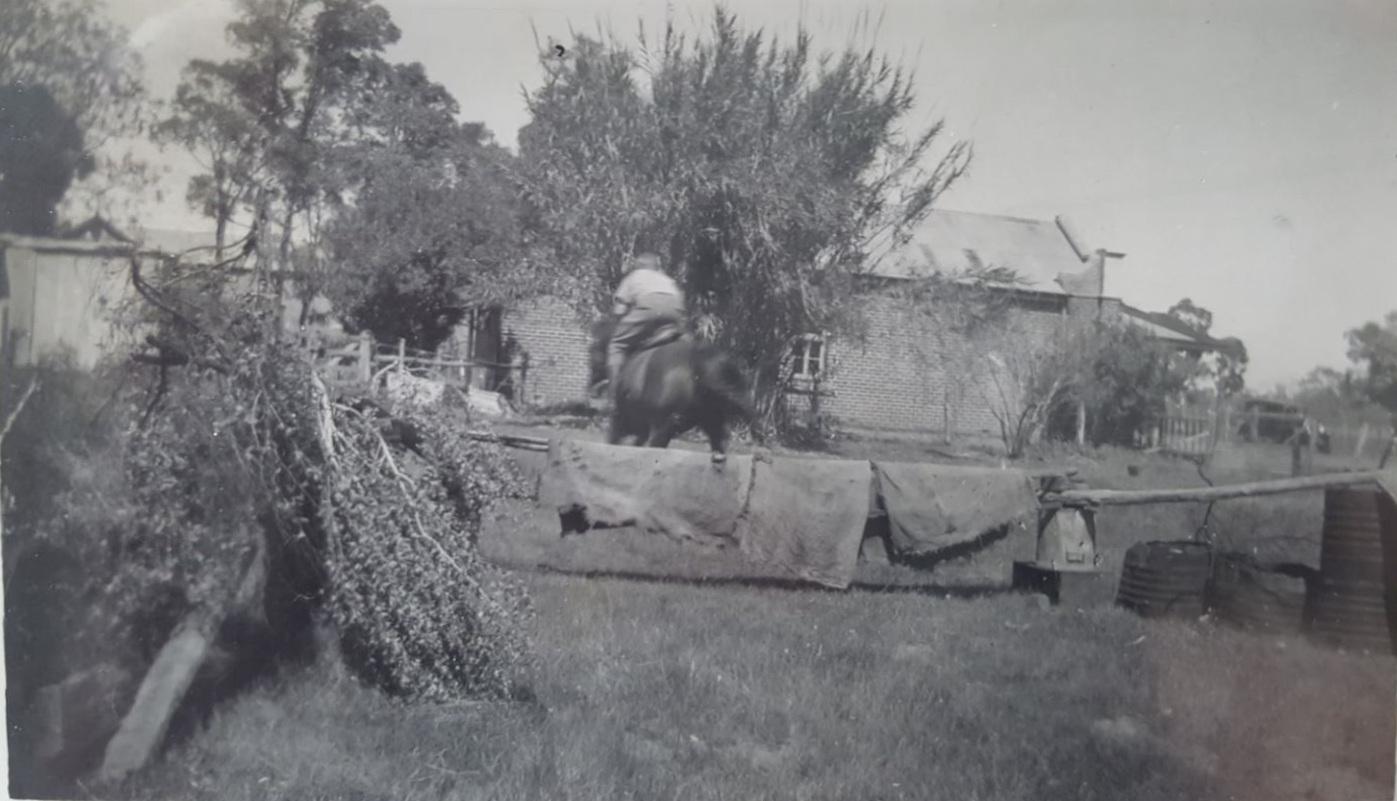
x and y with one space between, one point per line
649 309
660 381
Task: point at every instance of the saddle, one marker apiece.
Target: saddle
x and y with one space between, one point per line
663 335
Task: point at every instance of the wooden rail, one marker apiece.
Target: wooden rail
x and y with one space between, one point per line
1105 497
511 440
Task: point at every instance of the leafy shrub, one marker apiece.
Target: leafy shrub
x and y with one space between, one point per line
217 455
419 611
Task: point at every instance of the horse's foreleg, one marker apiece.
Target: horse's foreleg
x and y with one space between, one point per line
717 432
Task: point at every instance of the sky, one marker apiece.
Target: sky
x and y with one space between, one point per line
1241 153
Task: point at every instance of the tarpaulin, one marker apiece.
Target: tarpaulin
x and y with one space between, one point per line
805 518
676 492
931 507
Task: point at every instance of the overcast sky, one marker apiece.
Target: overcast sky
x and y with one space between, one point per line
1242 153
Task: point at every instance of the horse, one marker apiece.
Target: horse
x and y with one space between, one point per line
673 385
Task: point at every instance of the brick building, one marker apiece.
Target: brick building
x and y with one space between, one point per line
912 371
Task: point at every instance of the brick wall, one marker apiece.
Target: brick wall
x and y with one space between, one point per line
913 372
557 343
910 372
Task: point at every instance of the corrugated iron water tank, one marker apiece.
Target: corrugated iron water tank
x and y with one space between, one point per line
1165 578
1350 603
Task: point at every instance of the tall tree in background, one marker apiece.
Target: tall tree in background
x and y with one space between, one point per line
63 66
1227 365
769 175
427 239
268 122
1374 347
314 144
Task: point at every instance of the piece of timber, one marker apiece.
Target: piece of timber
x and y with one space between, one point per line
1105 497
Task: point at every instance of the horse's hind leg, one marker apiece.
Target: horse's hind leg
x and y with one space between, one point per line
660 435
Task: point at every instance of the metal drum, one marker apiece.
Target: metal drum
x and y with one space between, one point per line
1260 598
1165 579
1348 603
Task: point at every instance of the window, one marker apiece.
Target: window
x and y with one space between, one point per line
809 355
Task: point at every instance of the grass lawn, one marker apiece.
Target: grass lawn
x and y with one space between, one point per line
659 691
662 690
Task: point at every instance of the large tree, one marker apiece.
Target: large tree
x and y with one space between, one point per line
1373 346
326 153
72 94
268 122
1227 364
427 239
768 175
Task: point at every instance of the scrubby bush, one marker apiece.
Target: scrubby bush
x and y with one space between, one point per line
224 451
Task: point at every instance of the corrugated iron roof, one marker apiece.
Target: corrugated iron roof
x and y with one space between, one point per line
1163 326
1037 250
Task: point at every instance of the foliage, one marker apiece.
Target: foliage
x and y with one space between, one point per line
41 152
419 610
1227 365
1337 397
1192 315
428 238
1373 346
218 457
1131 378
67 49
329 154
268 122
768 175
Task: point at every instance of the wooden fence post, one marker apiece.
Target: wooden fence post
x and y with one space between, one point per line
366 360
1081 424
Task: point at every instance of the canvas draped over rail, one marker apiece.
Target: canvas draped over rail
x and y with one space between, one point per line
668 491
792 518
934 506
805 518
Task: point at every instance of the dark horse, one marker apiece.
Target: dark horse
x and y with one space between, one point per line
671 387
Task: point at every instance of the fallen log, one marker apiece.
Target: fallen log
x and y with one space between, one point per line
143 728
1105 497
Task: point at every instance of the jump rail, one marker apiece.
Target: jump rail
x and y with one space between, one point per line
1105 497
